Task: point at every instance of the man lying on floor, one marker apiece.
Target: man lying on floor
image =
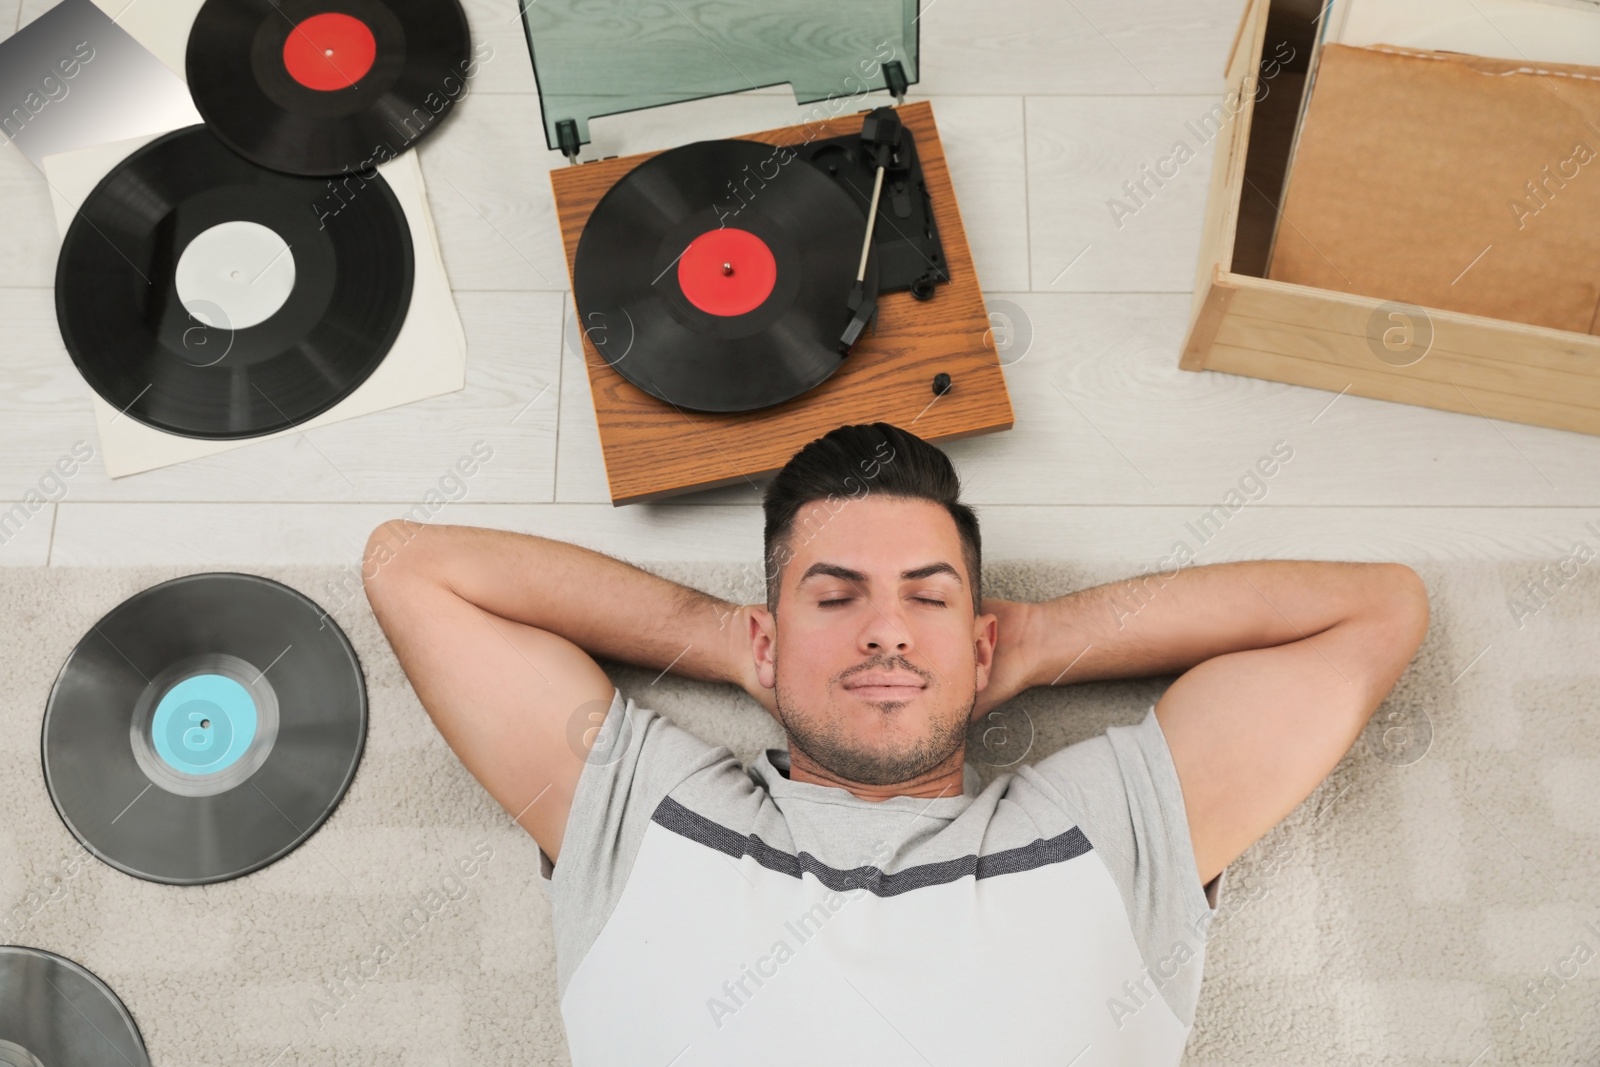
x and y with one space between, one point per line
855 898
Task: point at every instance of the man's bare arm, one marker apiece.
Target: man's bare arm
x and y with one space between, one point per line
1283 663
497 632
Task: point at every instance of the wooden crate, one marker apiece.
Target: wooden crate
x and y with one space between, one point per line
655 450
1249 325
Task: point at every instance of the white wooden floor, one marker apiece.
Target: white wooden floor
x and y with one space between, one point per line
1045 109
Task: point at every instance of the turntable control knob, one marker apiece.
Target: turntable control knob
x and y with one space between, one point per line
727 268
941 384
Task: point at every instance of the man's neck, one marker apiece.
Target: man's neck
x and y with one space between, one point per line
945 780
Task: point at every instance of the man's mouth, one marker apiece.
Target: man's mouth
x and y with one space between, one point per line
885 686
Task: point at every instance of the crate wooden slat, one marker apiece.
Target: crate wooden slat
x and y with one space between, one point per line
1314 337
654 450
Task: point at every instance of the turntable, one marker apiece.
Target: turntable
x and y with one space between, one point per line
737 298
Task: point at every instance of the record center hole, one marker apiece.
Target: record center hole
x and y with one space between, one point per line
205 724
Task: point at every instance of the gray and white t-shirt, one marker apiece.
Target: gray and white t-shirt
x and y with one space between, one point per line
706 913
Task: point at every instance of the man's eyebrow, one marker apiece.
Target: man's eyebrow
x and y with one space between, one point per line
929 570
834 570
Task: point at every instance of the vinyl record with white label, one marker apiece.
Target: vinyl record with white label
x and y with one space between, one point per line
208 297
204 728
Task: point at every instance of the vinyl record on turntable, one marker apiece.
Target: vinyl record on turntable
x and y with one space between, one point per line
204 728
716 276
55 1011
208 297
314 87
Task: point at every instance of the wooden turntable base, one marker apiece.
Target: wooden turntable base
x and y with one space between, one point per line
655 450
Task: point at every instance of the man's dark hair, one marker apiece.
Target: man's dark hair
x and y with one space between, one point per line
852 463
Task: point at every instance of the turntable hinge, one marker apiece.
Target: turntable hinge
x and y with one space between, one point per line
567 136
894 78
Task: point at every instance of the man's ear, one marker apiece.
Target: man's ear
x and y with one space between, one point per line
985 632
763 644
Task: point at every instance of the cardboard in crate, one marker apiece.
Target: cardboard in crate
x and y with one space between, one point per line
1385 317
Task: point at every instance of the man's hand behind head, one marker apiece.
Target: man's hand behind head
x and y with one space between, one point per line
1015 654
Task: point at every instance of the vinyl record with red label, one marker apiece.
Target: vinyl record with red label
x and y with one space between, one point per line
716 276
321 87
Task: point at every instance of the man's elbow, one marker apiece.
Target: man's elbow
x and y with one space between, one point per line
390 544
1405 604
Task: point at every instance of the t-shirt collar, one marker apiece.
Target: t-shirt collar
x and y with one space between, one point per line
771 770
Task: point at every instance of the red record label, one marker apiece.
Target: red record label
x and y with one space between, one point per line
329 51
727 271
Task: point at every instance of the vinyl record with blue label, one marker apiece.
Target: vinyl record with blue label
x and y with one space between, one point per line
204 728
55 1011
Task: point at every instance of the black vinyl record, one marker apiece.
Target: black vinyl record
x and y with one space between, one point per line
55 1011
675 321
264 339
204 728
320 87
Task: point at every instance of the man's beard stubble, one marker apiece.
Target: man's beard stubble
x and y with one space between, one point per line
835 752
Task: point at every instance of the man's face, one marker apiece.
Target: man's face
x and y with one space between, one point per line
875 657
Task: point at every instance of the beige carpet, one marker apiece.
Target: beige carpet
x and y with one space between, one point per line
1397 917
